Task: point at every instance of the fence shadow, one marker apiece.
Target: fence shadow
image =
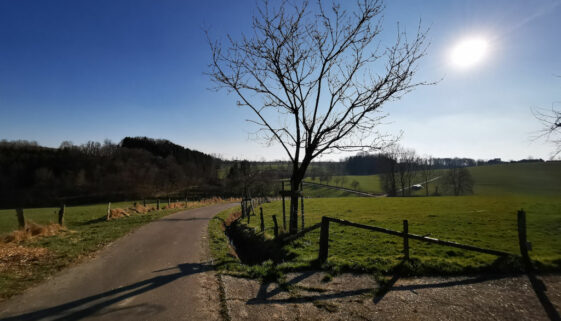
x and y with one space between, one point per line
264 297
540 289
93 305
538 286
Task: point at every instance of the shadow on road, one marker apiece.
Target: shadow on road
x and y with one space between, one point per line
264 297
94 304
538 286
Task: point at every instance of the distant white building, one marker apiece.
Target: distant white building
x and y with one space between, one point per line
417 187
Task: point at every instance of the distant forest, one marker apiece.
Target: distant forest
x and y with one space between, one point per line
141 167
137 167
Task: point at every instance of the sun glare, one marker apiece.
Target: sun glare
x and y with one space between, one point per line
469 52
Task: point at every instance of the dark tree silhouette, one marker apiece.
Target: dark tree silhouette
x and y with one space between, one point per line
458 180
316 77
551 126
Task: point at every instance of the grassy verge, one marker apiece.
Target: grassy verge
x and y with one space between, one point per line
483 221
86 232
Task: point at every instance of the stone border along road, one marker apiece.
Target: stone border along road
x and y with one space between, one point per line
158 272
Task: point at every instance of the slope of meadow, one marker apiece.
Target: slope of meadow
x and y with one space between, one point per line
485 219
504 179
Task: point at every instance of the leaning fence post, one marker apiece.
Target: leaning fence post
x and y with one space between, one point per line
262 221
275 226
21 218
323 240
61 215
406 239
522 240
108 210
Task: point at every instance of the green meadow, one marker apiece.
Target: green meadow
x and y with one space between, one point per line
486 219
504 179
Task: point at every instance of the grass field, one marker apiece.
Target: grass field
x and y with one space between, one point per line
87 232
504 179
486 219
483 221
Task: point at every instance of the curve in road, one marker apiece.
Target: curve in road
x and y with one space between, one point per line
158 272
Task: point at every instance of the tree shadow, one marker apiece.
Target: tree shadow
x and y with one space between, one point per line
264 297
163 220
94 304
538 286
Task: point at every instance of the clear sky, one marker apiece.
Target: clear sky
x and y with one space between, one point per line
91 70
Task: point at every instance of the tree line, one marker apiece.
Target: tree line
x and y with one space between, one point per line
137 167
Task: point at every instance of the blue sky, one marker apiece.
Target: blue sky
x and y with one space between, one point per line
91 70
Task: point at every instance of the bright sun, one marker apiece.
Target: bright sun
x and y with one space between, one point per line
469 52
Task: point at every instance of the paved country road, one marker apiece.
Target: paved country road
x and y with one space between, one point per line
158 272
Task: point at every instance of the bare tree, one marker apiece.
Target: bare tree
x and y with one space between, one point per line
459 181
389 176
551 125
427 171
308 73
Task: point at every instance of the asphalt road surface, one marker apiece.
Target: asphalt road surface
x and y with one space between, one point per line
158 272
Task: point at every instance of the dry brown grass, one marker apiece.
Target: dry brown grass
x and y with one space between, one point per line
115 213
16 258
32 230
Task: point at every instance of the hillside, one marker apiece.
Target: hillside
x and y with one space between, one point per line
503 179
32 175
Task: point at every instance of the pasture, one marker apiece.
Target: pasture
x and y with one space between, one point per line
504 179
483 221
486 219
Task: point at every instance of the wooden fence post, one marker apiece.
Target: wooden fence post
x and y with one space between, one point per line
21 218
523 243
405 239
283 209
275 226
169 201
108 210
323 240
248 217
242 204
158 204
61 215
262 221
302 202
144 202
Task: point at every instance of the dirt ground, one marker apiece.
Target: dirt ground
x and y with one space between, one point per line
313 296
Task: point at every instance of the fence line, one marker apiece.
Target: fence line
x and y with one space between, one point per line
324 237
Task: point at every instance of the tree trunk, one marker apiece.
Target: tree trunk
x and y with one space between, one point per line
295 182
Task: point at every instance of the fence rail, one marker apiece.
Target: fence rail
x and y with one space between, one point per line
407 235
324 237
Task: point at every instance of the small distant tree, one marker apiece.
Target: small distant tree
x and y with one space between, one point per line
426 172
551 126
389 170
338 180
458 180
355 184
343 180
